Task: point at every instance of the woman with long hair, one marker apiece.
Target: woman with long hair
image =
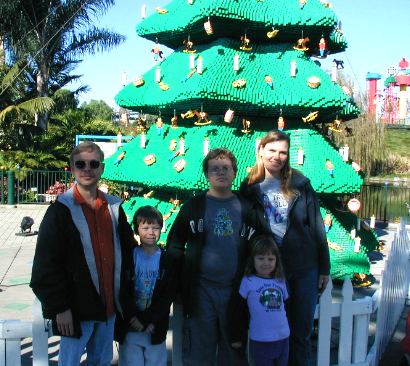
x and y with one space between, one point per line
285 202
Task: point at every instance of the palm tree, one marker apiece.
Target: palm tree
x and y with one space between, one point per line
54 36
17 106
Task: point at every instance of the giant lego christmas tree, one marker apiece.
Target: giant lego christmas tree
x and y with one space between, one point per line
239 69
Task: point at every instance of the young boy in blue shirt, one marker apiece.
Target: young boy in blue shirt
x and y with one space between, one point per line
142 341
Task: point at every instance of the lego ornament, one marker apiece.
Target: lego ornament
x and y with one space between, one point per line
156 51
246 124
189 113
202 119
163 86
120 158
273 33
150 159
174 121
301 156
236 66
180 165
181 146
189 46
322 48
293 68
143 11
310 117
330 167
143 140
190 2
206 146
335 127
240 83
192 61
245 43
208 27
339 64
281 123
301 44
269 81
159 125
357 241
199 65
229 114
174 155
302 3
160 10
138 81
158 74
327 221
172 145
313 82
354 205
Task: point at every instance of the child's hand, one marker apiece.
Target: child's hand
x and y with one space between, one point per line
150 328
136 324
236 345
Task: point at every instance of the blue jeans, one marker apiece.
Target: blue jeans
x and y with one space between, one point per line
97 340
300 309
205 335
138 350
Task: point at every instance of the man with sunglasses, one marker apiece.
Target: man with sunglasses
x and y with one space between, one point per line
82 265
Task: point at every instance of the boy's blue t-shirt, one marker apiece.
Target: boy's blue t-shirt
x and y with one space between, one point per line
146 268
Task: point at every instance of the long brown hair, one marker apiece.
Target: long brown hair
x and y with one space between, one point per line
257 174
262 245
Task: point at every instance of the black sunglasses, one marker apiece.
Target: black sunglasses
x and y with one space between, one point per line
93 164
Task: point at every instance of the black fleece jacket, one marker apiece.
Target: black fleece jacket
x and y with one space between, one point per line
304 245
61 278
185 242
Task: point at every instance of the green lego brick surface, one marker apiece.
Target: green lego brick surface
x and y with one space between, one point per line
231 19
213 90
162 176
344 260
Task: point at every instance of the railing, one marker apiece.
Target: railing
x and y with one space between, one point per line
385 201
33 186
390 298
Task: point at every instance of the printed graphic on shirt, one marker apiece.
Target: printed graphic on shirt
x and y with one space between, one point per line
271 299
145 282
223 223
275 207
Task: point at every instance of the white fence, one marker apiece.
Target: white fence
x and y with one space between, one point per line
353 317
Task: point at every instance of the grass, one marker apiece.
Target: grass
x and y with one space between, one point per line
397 142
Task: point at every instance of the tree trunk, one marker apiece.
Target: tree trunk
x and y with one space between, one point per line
42 91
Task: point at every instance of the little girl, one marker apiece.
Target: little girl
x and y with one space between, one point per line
264 289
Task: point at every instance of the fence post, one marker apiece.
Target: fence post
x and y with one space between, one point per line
40 337
10 188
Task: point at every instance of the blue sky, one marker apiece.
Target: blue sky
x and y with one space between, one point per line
377 32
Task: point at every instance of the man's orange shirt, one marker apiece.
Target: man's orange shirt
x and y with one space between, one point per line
100 226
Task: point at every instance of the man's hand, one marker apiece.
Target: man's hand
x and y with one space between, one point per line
323 280
136 324
65 324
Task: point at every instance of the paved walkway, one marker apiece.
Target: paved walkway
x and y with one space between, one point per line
16 256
